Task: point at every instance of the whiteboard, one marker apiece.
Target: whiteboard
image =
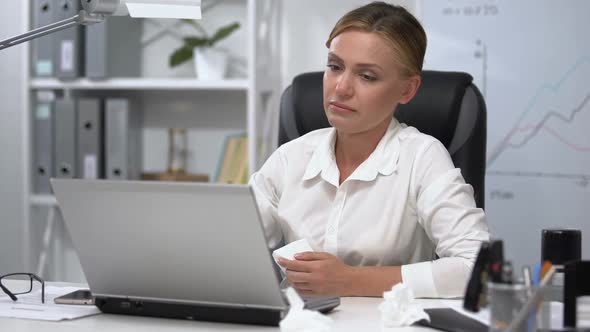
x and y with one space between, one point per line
531 60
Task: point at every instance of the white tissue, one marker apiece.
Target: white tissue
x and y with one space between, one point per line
299 319
399 308
290 250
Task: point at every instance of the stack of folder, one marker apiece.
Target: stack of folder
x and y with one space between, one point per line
108 49
86 138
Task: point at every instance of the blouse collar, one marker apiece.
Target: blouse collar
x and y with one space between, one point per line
383 160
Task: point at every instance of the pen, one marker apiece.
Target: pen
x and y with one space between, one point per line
526 275
545 268
537 274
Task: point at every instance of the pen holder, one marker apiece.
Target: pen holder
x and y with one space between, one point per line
506 300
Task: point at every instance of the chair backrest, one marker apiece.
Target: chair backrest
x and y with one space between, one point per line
447 106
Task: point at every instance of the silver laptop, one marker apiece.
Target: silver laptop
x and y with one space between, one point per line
179 250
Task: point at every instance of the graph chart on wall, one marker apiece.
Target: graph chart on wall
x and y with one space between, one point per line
531 60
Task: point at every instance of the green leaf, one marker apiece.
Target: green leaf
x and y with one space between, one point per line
185 52
193 42
223 32
181 55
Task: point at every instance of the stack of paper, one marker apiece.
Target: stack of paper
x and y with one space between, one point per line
29 306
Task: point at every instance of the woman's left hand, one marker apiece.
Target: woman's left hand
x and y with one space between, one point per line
319 273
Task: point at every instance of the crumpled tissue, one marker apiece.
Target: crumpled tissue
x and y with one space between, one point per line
299 319
290 250
399 307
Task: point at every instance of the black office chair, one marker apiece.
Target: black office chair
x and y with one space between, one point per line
447 106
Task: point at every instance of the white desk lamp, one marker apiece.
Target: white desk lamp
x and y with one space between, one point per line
95 11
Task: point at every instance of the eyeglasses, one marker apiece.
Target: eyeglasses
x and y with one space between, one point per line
20 283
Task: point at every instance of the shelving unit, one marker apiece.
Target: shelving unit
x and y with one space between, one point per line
259 89
140 84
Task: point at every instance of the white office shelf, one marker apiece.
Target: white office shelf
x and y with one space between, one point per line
43 200
140 84
256 57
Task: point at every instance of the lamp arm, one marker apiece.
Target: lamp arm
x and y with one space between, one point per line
83 18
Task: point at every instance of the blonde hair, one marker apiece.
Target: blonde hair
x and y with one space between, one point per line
395 24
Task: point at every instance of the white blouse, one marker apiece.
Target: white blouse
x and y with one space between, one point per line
402 206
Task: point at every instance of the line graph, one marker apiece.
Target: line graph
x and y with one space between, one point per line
535 129
505 142
573 146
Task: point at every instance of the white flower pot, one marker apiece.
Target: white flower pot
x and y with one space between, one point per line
210 63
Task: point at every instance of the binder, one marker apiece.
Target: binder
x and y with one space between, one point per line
229 155
233 166
43 129
43 14
241 175
90 138
68 50
65 138
123 140
113 48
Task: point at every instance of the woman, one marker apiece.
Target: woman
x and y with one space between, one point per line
376 199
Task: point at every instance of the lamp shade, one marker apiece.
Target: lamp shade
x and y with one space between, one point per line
185 9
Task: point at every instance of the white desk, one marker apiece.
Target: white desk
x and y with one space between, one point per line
353 314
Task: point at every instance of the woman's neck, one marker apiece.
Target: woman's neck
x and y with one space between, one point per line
351 150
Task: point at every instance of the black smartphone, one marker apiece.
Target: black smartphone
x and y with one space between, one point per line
81 296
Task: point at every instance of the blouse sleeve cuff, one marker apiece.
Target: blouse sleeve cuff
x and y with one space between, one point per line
418 277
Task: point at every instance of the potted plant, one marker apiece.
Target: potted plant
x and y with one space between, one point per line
210 62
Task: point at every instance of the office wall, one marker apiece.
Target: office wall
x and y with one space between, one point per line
306 26
12 89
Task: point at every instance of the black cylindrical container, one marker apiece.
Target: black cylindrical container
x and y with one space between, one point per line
561 245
